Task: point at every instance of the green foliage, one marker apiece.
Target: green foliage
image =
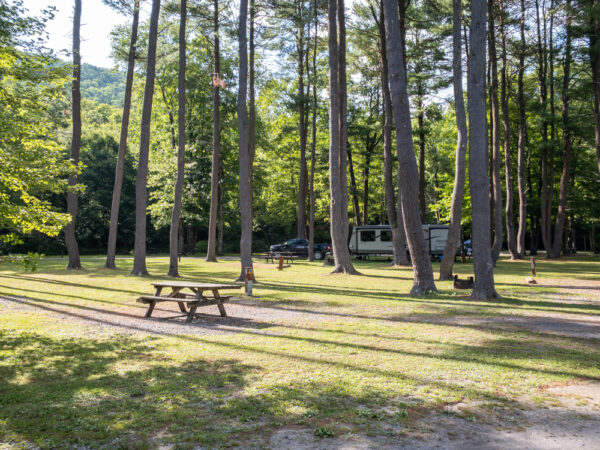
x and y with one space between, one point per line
28 261
102 85
32 162
323 432
98 156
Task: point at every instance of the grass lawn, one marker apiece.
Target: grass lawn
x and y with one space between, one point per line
337 355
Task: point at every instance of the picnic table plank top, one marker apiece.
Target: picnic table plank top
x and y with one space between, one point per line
191 284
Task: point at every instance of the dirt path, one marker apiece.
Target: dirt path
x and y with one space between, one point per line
165 320
572 425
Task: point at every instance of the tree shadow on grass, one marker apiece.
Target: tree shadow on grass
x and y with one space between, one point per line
252 327
125 391
67 283
439 298
115 318
115 393
556 286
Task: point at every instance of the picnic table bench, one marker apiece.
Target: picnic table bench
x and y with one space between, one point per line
193 300
273 256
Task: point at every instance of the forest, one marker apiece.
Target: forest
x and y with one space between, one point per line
225 127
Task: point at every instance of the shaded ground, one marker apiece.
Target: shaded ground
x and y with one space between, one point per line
312 362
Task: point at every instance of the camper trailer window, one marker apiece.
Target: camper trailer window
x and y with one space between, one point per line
367 236
386 236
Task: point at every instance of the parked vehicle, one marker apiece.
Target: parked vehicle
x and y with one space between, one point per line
299 247
467 246
376 240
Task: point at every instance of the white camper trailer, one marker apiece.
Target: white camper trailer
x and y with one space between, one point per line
376 240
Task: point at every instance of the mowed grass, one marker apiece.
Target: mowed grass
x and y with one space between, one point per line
364 357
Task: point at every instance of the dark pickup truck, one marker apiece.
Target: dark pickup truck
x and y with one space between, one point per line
299 247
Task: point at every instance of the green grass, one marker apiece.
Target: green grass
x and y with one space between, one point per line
374 363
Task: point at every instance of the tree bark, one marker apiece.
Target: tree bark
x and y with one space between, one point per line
216 141
551 156
72 204
394 220
522 141
353 189
169 113
461 147
245 184
366 173
566 142
251 101
407 164
177 203
508 169
594 37
221 219
302 128
141 188
479 183
421 125
496 158
118 184
313 144
338 134
545 195
393 208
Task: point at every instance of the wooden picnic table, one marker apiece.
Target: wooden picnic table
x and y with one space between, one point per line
192 300
288 256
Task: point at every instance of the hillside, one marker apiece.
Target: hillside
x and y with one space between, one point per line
102 85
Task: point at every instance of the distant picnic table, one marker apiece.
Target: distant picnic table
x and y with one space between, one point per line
273 256
193 300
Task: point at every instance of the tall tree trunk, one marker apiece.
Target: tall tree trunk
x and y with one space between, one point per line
72 206
421 125
141 188
220 219
508 170
543 95
302 128
407 164
566 142
338 135
118 185
496 158
216 141
551 156
395 222
252 101
522 141
177 203
313 143
244 147
594 38
353 189
366 172
180 236
478 179
461 147
168 105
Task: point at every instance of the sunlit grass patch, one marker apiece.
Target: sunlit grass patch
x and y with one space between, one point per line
357 356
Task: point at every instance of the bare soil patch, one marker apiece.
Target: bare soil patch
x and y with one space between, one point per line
243 315
571 425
